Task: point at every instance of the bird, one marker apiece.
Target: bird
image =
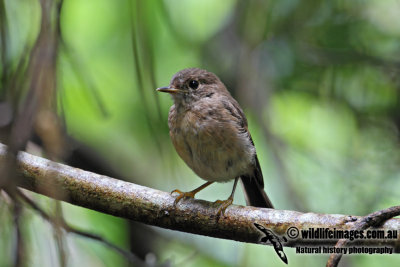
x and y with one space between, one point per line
209 131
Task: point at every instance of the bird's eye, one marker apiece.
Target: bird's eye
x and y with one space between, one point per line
193 84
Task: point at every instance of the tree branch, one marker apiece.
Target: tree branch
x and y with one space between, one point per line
154 207
67 228
373 219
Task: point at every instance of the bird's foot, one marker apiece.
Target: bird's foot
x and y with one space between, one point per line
182 195
223 205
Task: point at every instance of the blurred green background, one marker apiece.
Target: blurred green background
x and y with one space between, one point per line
318 80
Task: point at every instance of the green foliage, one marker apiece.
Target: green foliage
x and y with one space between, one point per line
321 77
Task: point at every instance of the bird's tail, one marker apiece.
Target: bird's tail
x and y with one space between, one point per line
254 193
254 188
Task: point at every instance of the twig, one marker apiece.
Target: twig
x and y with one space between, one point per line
154 207
374 219
19 246
139 75
61 223
58 234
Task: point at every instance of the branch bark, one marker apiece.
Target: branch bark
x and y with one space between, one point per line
154 207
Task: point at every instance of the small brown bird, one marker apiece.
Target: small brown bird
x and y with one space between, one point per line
209 131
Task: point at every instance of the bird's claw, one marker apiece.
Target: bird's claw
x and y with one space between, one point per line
223 205
182 195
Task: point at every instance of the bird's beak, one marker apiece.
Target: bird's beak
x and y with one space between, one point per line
168 89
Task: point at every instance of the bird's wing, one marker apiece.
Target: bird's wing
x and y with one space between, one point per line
253 183
234 109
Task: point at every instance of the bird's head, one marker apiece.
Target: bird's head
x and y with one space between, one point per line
189 85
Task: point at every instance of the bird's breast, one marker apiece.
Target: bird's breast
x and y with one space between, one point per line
213 148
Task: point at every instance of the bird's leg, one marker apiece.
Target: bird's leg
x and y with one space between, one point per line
190 193
228 202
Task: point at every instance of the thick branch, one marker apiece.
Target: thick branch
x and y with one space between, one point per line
155 207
